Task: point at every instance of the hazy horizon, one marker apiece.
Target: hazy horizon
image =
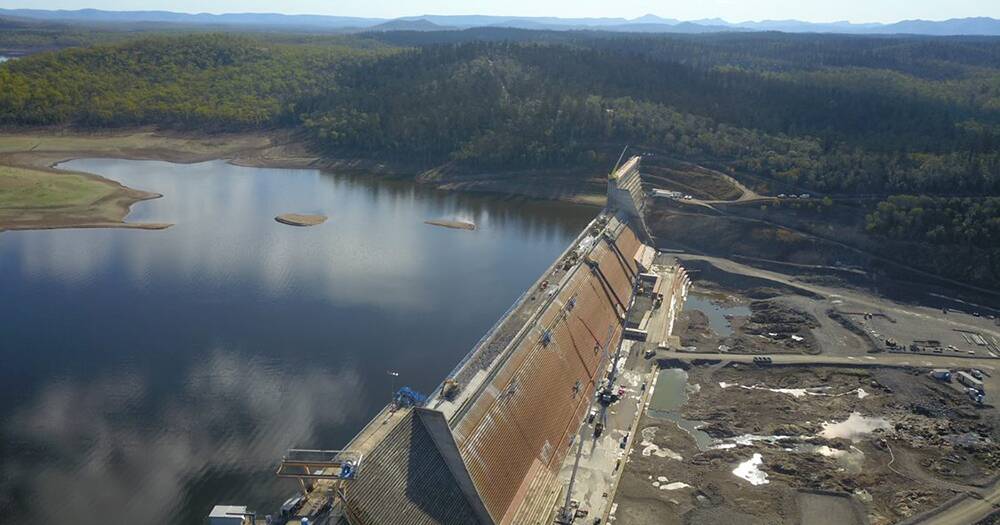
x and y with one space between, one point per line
854 11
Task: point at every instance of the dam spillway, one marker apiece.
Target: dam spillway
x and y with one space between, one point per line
488 444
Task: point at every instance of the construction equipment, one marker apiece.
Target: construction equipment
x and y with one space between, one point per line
308 465
450 388
406 397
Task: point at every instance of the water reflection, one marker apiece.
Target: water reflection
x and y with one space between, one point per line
150 374
718 315
670 393
114 462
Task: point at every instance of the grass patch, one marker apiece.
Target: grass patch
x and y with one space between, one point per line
22 188
193 146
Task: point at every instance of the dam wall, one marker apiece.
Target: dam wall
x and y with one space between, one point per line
520 424
488 444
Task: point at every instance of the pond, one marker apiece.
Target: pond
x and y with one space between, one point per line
716 313
669 395
148 375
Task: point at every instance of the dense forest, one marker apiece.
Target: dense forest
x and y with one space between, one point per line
834 115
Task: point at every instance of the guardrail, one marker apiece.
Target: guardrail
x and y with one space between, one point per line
514 306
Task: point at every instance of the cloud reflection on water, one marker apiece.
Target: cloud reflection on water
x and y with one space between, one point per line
231 415
374 250
149 373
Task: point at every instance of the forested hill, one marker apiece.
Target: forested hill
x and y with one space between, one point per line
825 113
891 114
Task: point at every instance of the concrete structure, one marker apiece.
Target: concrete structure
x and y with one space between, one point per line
488 444
228 515
625 196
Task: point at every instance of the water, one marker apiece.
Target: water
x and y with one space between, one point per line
669 395
716 313
148 375
750 470
854 427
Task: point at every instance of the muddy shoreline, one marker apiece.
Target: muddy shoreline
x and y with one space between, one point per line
45 150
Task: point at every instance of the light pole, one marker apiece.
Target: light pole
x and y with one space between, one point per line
394 375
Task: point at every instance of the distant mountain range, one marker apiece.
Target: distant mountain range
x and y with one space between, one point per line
645 24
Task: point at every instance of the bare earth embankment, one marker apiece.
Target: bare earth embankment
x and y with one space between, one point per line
41 196
35 195
48 198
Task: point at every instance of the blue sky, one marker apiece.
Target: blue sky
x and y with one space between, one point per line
732 10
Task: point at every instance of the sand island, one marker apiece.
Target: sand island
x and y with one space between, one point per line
300 219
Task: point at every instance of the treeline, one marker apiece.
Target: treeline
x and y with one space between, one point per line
939 220
193 82
969 228
831 114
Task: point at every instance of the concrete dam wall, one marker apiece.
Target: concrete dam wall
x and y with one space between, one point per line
488 444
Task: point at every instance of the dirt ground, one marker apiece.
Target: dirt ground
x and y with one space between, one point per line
798 315
935 444
777 323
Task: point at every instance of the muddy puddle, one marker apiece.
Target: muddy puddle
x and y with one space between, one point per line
671 391
718 315
669 395
854 427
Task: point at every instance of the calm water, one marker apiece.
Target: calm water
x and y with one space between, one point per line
669 396
716 313
147 375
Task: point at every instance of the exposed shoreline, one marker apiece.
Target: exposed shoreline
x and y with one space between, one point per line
45 149
108 211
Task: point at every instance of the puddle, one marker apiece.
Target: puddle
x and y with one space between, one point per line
669 395
797 392
750 470
716 313
850 460
854 427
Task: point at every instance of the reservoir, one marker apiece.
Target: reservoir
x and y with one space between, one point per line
148 375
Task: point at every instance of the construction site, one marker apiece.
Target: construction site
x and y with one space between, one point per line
637 385
792 400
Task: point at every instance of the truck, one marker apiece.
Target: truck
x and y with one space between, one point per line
966 379
941 374
975 395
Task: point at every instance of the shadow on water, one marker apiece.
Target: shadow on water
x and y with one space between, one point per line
148 375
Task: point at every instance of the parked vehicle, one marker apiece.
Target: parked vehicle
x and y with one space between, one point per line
966 379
